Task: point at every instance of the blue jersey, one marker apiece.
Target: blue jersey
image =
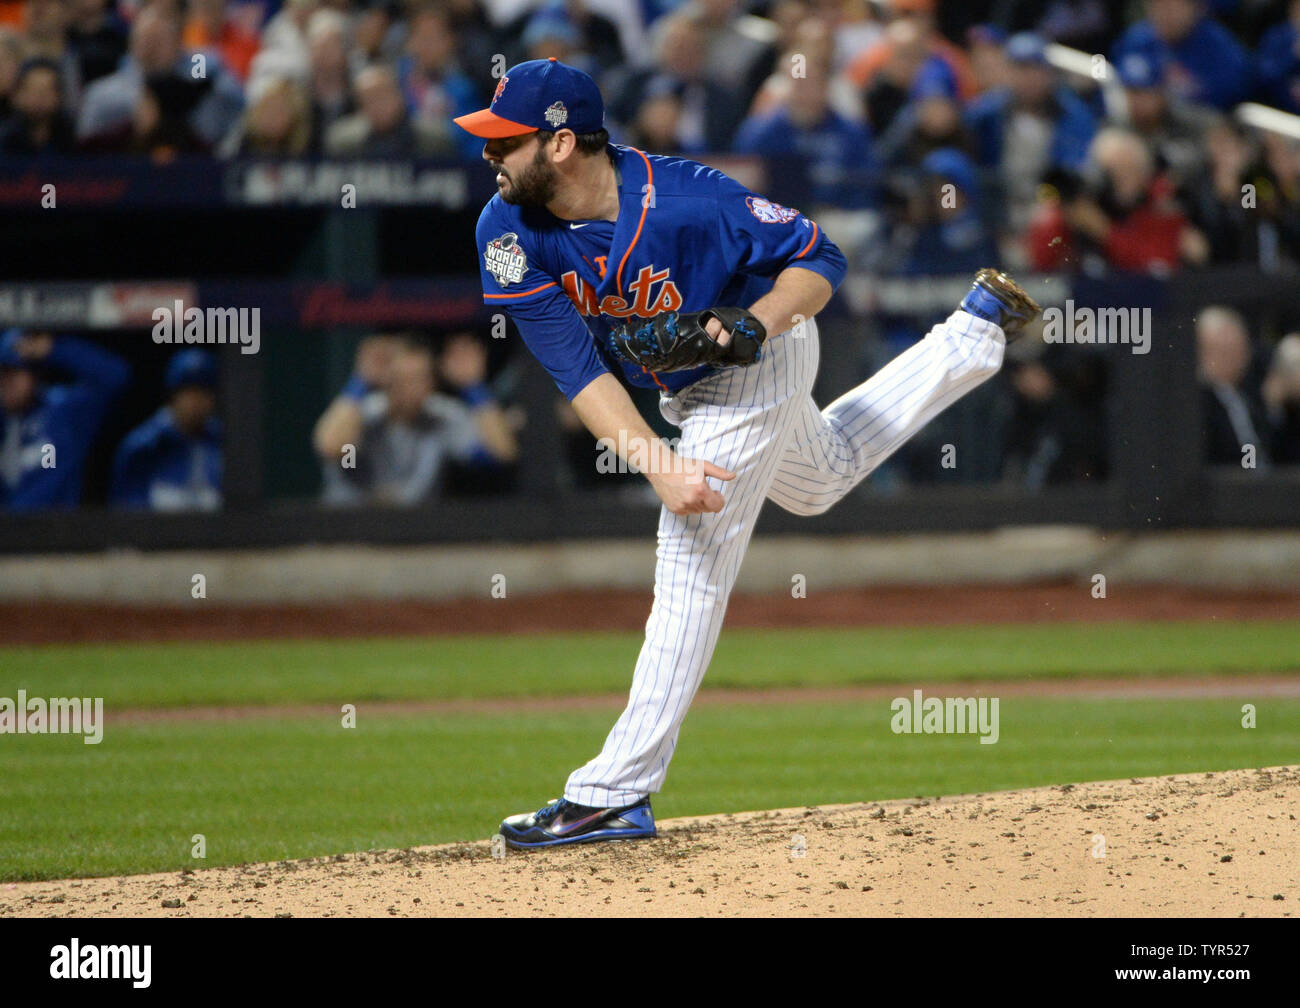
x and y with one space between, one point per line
63 416
1208 67
841 162
158 467
687 238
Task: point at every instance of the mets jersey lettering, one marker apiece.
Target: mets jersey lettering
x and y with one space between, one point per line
666 298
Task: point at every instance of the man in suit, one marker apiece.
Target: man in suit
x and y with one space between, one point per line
1232 424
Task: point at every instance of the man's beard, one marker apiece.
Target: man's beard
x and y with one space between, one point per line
535 185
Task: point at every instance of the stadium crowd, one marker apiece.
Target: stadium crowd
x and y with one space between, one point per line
884 101
410 416
56 393
950 129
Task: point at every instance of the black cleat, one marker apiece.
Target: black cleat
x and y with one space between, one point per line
563 822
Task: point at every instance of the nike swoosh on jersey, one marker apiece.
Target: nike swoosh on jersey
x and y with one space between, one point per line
574 227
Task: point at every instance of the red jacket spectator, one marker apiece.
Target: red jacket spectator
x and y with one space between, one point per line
1132 219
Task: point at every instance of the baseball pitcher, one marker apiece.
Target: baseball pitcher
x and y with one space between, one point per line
607 258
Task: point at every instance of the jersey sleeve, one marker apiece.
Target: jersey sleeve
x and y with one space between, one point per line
762 238
547 320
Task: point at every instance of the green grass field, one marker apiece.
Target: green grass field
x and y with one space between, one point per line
274 787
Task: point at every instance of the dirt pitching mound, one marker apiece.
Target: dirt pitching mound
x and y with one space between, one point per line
1208 844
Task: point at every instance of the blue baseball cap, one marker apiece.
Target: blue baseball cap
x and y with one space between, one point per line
191 367
951 164
541 94
935 79
1027 47
1142 70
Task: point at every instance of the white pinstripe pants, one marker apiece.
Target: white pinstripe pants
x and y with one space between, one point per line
762 424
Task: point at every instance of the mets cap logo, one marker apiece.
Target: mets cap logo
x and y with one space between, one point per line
505 259
769 212
501 86
557 115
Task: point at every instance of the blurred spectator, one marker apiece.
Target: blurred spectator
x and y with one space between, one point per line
435 89
214 101
908 63
1281 394
379 35
97 38
48 429
988 58
1232 419
1278 60
631 19
787 16
1278 199
462 370
403 434
172 461
477 42
1172 128
1247 202
709 111
1206 63
1127 216
329 82
946 227
915 30
741 47
931 120
383 126
159 126
837 152
39 124
212 29
276 124
807 47
1216 199
572 33
934 227
658 121
1033 125
47 37
855 25
284 39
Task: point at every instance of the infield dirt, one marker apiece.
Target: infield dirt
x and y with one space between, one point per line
1206 844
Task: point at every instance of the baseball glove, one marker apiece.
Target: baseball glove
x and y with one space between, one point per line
678 341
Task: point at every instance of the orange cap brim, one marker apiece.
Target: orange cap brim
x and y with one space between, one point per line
485 123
